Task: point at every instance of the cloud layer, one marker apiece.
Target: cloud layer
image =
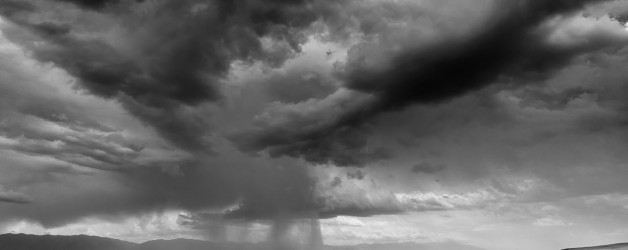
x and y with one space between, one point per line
262 110
514 42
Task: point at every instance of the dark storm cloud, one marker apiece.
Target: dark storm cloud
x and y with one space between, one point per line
160 68
509 45
92 4
165 64
172 58
512 44
341 146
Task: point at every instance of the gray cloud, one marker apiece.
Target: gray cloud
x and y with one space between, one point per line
308 130
295 87
513 43
92 4
12 7
161 63
13 197
358 175
56 144
428 168
79 144
192 187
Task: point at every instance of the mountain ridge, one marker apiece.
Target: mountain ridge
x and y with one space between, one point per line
617 246
87 242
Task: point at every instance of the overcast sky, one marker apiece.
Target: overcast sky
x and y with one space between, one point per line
500 124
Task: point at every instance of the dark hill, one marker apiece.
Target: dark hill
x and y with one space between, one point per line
620 246
83 242
58 242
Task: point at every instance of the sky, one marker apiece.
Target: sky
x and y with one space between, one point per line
498 124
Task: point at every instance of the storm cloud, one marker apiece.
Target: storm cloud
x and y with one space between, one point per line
513 43
167 59
283 111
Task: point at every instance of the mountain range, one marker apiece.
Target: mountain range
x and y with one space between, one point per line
620 246
84 242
